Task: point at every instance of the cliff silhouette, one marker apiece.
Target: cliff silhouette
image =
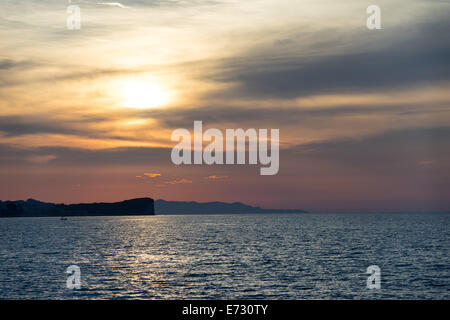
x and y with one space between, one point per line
34 208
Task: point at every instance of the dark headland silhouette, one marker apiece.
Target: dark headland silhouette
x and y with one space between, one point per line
34 208
140 206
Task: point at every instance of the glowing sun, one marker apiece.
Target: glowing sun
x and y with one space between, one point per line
143 95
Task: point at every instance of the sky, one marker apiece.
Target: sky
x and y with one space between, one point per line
364 115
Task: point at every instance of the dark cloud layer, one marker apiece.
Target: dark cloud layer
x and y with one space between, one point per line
9 67
395 150
282 116
8 64
418 56
67 156
17 126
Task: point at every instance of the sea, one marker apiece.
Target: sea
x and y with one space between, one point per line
235 256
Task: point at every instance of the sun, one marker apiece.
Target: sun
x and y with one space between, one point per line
143 95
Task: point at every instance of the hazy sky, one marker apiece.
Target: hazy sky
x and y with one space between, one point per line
364 115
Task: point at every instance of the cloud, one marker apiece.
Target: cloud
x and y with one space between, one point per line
66 156
392 149
182 181
400 59
152 175
113 4
11 69
66 74
41 159
427 162
289 114
8 64
216 177
19 125
125 4
396 152
87 127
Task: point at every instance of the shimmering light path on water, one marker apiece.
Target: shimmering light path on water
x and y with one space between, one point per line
300 256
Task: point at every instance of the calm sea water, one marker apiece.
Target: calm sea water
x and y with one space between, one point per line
301 256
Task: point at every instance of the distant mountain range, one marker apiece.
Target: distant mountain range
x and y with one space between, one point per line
192 207
140 206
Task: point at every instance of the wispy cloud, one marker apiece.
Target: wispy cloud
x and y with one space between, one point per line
182 181
113 4
41 159
152 175
216 177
